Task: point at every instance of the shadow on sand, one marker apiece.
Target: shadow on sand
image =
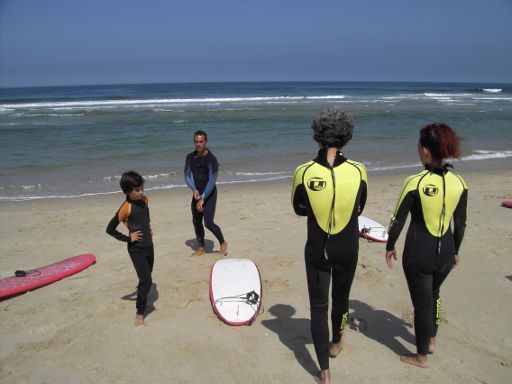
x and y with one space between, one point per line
295 334
152 298
193 245
375 324
380 326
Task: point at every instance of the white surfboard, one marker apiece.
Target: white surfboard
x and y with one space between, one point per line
235 290
371 230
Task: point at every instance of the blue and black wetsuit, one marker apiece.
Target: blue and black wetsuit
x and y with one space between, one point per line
332 198
434 197
135 215
201 174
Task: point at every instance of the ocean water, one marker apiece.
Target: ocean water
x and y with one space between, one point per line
75 141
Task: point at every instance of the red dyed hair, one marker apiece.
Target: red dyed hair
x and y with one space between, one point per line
441 140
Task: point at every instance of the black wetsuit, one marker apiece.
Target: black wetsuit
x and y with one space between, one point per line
135 215
201 174
433 196
332 198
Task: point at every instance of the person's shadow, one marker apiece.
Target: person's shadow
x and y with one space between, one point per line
193 244
152 297
293 333
380 326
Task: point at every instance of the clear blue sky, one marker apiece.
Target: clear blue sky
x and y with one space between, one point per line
68 42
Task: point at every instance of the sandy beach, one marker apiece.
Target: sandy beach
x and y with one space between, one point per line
80 329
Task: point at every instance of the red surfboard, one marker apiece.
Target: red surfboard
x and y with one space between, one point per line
36 278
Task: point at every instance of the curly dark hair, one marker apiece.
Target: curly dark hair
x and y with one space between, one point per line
332 128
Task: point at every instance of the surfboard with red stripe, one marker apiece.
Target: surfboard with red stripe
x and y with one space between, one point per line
39 277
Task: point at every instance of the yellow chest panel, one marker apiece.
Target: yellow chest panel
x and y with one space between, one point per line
332 193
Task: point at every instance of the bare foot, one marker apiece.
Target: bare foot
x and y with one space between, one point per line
415 359
325 377
224 248
335 349
432 345
139 320
199 251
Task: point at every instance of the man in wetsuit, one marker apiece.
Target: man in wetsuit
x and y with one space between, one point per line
201 169
331 191
434 197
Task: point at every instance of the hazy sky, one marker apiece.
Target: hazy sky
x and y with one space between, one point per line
68 42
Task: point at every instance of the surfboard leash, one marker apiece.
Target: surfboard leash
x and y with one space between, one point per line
250 297
21 273
366 230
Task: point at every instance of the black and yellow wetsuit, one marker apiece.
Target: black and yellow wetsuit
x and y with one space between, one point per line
135 215
332 198
434 197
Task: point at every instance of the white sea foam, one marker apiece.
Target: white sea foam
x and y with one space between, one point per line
477 155
392 167
25 198
156 102
327 97
428 94
168 110
492 98
260 173
159 176
146 177
482 154
492 90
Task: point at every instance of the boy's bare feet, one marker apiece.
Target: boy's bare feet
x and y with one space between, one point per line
335 349
224 249
199 251
139 320
325 377
432 345
415 359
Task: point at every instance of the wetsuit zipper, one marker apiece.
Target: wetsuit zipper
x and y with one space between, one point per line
443 214
331 213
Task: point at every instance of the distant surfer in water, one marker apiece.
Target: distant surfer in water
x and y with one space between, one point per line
134 213
434 197
201 169
331 191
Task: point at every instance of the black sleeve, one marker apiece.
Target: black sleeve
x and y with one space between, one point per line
400 217
300 198
112 230
362 200
459 220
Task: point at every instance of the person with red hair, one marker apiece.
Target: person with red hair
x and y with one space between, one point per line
436 197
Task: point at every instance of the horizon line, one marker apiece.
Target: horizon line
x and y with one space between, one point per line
255 82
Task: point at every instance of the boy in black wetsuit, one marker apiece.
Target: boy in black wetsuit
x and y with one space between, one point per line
134 213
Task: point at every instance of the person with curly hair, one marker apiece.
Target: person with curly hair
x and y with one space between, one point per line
434 197
331 191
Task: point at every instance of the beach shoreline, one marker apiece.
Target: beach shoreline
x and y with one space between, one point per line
70 141
80 329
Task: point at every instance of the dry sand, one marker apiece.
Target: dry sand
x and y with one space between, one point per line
79 330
